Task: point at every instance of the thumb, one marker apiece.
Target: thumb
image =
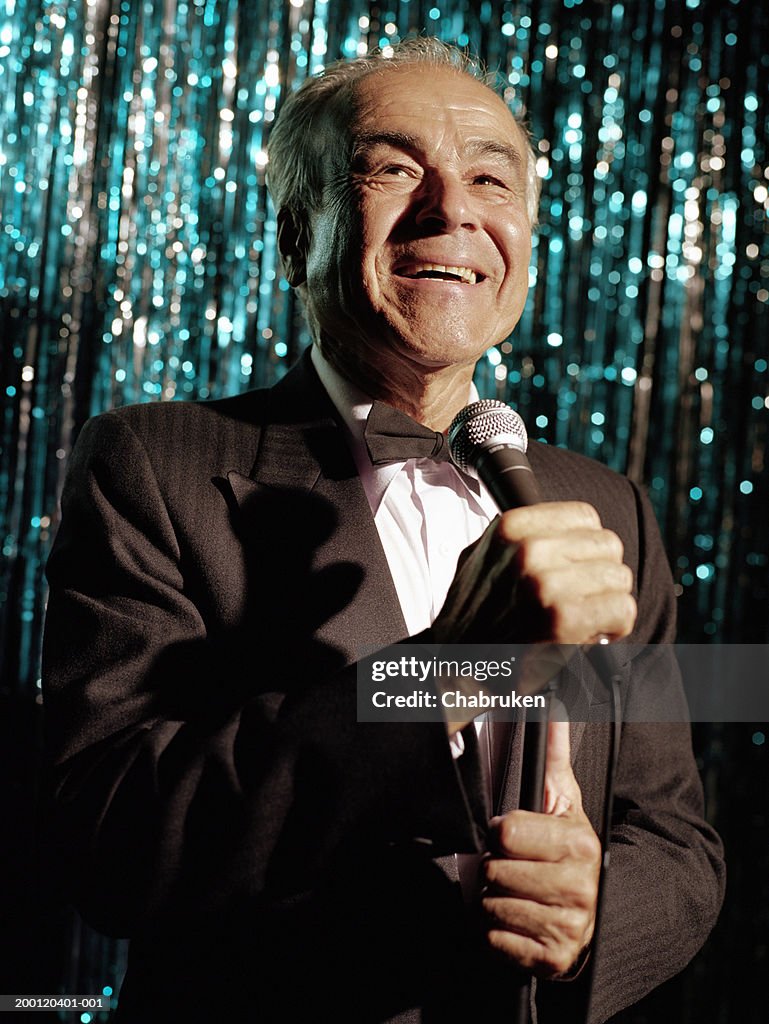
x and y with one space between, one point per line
562 792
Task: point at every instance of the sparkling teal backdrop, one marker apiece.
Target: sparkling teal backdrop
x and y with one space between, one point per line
138 261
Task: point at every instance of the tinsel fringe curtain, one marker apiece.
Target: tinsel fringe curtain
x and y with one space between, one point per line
138 263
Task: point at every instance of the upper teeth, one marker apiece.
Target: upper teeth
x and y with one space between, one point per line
465 273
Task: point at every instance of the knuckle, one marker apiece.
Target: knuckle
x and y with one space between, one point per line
562 622
511 525
559 961
499 940
588 514
631 612
613 544
491 870
546 588
627 576
583 845
530 555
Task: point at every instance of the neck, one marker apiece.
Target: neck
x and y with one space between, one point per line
430 395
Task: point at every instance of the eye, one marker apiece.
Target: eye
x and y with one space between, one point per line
396 170
488 179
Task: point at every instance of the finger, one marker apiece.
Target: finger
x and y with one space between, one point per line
550 551
562 792
546 941
609 615
547 518
570 619
566 884
573 581
526 835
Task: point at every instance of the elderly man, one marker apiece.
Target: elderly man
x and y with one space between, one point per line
220 566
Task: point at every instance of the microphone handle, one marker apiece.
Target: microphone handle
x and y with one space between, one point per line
506 472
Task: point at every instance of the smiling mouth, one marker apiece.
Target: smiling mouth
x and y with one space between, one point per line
440 272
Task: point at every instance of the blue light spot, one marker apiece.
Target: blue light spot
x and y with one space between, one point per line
704 572
107 990
706 435
730 39
628 376
758 739
281 349
434 13
541 421
598 418
10 391
555 340
760 365
746 487
695 493
751 101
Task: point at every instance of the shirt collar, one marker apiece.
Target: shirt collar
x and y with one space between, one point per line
353 406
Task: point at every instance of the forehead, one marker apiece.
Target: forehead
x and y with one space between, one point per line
433 102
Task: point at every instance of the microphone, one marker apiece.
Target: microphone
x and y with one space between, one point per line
488 440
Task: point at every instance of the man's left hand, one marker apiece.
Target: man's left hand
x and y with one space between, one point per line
542 876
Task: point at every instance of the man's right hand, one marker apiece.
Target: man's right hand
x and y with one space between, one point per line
544 573
547 573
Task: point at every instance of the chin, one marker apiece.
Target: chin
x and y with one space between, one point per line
443 349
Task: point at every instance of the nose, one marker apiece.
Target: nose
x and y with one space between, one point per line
444 203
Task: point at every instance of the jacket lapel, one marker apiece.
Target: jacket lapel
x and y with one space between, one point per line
302 449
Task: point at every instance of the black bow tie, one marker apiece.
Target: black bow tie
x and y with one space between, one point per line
392 436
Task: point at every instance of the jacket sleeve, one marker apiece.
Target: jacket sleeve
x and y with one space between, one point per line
173 781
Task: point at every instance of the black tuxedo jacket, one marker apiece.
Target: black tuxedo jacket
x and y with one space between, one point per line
213 797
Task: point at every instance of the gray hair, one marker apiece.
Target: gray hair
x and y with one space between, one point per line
296 164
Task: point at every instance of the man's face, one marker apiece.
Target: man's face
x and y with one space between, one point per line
419 256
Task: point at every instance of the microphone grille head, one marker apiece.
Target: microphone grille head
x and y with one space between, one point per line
478 423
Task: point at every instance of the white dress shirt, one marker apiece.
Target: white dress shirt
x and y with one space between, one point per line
426 512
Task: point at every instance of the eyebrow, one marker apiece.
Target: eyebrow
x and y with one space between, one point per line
401 140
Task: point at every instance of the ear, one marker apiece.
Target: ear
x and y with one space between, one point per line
293 243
